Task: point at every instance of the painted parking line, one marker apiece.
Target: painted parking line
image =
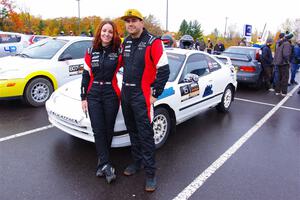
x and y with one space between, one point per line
201 179
25 133
267 104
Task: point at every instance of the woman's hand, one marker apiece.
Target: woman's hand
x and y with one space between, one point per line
84 105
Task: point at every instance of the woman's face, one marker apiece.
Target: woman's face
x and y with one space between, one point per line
106 34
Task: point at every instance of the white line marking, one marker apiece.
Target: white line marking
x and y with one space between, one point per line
257 102
290 108
25 133
200 180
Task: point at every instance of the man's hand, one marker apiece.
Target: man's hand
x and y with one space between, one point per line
84 105
152 99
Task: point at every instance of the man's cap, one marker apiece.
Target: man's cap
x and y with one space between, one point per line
131 13
269 40
281 35
289 36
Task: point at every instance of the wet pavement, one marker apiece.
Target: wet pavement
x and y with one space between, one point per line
50 164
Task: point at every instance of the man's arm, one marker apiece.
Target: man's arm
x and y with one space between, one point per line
160 60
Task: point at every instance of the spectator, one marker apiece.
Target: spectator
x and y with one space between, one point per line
202 45
219 48
62 33
275 70
281 59
210 46
267 63
295 62
243 42
71 33
90 34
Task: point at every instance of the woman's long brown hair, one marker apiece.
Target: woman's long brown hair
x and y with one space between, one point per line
116 41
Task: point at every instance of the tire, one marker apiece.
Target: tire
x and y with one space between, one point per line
226 101
161 126
37 92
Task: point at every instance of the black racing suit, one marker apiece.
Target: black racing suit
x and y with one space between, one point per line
99 87
145 66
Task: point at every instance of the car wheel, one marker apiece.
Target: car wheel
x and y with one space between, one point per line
161 126
38 91
226 101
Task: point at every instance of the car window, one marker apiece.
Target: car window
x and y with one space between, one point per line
38 38
44 49
239 52
9 38
213 65
196 64
175 64
77 49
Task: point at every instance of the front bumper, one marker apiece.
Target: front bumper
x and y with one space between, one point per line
12 88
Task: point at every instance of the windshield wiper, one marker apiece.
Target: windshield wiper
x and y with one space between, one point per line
23 55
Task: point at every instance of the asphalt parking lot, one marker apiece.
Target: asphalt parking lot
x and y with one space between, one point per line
250 153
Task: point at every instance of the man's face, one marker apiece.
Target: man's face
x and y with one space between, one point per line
134 26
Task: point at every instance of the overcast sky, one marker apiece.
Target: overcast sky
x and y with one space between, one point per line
210 14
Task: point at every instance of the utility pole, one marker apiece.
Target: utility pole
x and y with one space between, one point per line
167 13
226 18
78 16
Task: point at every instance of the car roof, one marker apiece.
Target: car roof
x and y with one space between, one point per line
12 33
183 51
73 38
243 47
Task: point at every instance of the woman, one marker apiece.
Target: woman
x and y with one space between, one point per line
100 93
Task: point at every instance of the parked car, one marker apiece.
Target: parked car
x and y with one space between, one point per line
35 38
12 43
197 82
247 64
41 68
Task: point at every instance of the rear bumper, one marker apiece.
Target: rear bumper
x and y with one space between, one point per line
244 77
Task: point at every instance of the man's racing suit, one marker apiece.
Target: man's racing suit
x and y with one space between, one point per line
145 66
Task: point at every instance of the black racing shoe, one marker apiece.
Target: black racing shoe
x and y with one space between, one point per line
108 171
132 169
150 184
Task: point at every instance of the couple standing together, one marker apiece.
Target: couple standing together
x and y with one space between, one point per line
146 72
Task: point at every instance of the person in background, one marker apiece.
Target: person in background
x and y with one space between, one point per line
243 42
100 93
146 71
282 60
295 62
202 45
71 33
267 63
210 46
275 70
197 44
219 48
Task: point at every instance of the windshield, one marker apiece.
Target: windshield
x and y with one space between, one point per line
44 49
239 53
175 63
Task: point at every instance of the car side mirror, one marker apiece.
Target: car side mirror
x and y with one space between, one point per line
64 57
190 77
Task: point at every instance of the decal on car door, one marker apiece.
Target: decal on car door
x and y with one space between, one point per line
189 91
75 69
208 91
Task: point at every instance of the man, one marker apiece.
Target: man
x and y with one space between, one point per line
146 72
209 46
219 48
281 59
295 62
267 63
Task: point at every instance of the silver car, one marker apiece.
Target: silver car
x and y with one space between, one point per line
12 43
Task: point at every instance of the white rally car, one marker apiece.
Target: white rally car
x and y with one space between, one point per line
197 82
41 68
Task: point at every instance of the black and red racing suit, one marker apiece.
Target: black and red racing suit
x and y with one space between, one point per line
145 67
99 87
